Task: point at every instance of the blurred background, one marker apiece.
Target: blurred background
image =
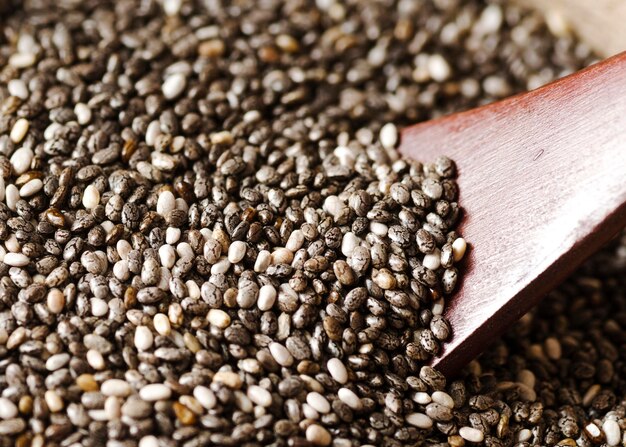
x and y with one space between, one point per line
600 23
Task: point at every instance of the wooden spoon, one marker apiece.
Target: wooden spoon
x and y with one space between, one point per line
542 180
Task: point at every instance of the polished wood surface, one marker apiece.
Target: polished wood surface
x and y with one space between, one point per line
542 180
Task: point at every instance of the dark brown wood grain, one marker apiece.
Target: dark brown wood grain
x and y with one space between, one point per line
542 180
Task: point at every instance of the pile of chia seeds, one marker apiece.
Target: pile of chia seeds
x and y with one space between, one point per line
208 237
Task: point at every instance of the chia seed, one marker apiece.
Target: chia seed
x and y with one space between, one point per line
207 236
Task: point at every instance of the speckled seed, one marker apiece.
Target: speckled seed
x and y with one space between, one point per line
440 327
471 434
344 273
438 412
212 250
449 280
432 188
247 294
157 170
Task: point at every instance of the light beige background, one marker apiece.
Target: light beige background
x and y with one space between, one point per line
600 23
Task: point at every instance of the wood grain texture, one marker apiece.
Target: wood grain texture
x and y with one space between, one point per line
599 23
542 180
